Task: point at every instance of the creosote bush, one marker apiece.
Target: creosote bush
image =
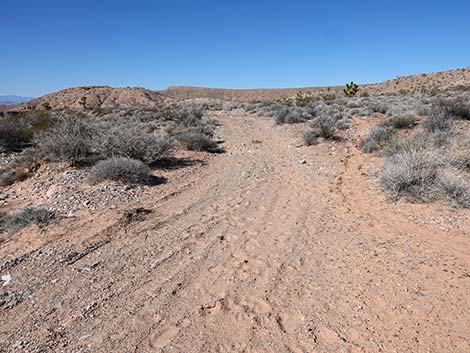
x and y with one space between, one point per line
26 216
70 140
133 141
14 134
126 170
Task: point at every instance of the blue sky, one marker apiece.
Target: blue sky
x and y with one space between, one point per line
50 45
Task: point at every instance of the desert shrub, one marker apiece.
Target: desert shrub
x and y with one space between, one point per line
133 141
295 116
377 138
194 140
14 134
20 168
325 126
379 107
303 99
280 115
456 107
416 142
412 174
70 140
438 120
125 170
401 122
310 138
26 216
456 186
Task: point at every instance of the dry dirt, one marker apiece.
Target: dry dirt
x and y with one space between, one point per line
270 247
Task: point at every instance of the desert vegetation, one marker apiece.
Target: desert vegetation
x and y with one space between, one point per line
120 146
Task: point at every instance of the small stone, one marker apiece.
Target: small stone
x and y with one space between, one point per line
303 161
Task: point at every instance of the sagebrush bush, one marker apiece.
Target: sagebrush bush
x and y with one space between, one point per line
457 107
416 142
125 170
325 126
133 141
401 122
195 140
26 216
377 138
70 140
310 138
413 175
456 186
438 120
14 134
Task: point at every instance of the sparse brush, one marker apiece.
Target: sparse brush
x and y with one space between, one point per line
125 170
26 216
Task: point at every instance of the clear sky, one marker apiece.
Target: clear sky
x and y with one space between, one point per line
50 45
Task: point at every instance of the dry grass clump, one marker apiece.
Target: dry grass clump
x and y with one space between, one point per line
126 170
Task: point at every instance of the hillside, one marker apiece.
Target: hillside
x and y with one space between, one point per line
442 80
109 97
99 97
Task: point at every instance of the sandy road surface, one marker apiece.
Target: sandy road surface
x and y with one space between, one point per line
256 252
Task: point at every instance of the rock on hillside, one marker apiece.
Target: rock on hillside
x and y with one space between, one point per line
98 97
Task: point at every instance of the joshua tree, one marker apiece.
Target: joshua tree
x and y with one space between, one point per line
46 106
83 101
351 89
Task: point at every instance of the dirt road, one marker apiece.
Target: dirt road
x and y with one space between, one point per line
268 248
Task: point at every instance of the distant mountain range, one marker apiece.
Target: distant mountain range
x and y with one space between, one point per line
12 100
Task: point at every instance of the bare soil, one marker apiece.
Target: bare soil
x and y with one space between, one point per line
270 247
